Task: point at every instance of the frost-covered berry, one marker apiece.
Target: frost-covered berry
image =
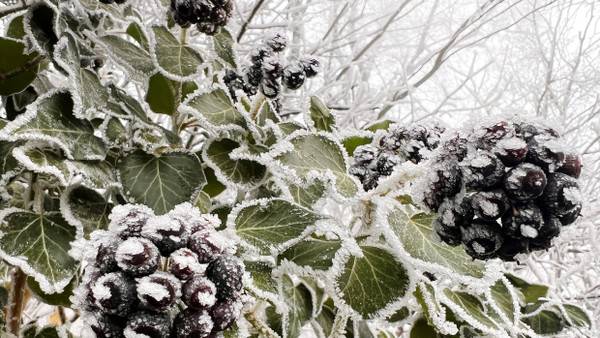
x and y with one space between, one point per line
105 325
444 181
227 273
562 196
545 152
483 171
166 233
512 247
115 293
293 76
525 182
482 238
523 221
158 291
310 66
138 256
511 151
184 264
128 220
224 313
450 235
105 258
270 87
190 323
456 213
148 324
549 230
199 293
276 41
571 166
490 205
208 245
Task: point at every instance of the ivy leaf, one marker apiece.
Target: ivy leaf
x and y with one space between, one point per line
577 316
85 209
213 187
531 292
262 276
472 306
300 305
503 298
416 235
39 245
53 118
161 182
41 21
15 28
370 283
316 252
126 53
353 142
422 291
177 60
307 196
326 317
137 33
270 224
544 322
56 299
320 115
421 329
289 127
162 95
97 6
237 172
317 153
7 161
216 111
17 69
266 113
204 202
223 45
380 125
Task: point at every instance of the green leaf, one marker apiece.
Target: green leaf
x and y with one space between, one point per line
307 196
353 142
137 33
16 73
41 20
87 209
7 161
262 276
127 54
161 182
319 154
289 127
503 298
173 57
39 245
321 115
162 95
46 161
274 320
531 292
298 298
132 107
215 110
266 113
326 317
97 6
400 315
370 283
98 174
223 45
577 316
416 235
115 131
3 297
472 306
244 172
15 28
316 252
420 329
204 202
425 291
54 118
269 224
379 125
213 187
545 322
55 299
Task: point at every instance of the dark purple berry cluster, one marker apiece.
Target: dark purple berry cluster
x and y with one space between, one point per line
504 188
266 72
208 15
400 144
165 276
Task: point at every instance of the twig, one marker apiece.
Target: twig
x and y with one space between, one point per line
247 22
15 306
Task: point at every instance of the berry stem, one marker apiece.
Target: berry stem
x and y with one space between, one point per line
339 325
263 329
16 301
183 36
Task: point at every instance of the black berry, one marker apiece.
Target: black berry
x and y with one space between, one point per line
138 256
158 291
199 293
149 324
227 273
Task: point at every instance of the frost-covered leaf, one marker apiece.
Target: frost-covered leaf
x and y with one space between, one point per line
7 161
262 276
424 294
15 28
274 320
138 34
316 252
40 23
239 172
421 329
268 224
416 235
39 245
132 56
216 110
213 187
289 127
223 45
99 174
266 113
399 315
56 299
502 296
177 60
97 6
370 283
115 131
86 209
298 299
544 322
326 317
52 118
318 154
531 292
577 316
162 95
204 202
320 115
15 72
307 196
161 182
352 142
471 305
45 161
379 125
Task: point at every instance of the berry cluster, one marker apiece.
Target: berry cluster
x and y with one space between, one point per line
146 268
505 188
266 72
208 15
398 145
